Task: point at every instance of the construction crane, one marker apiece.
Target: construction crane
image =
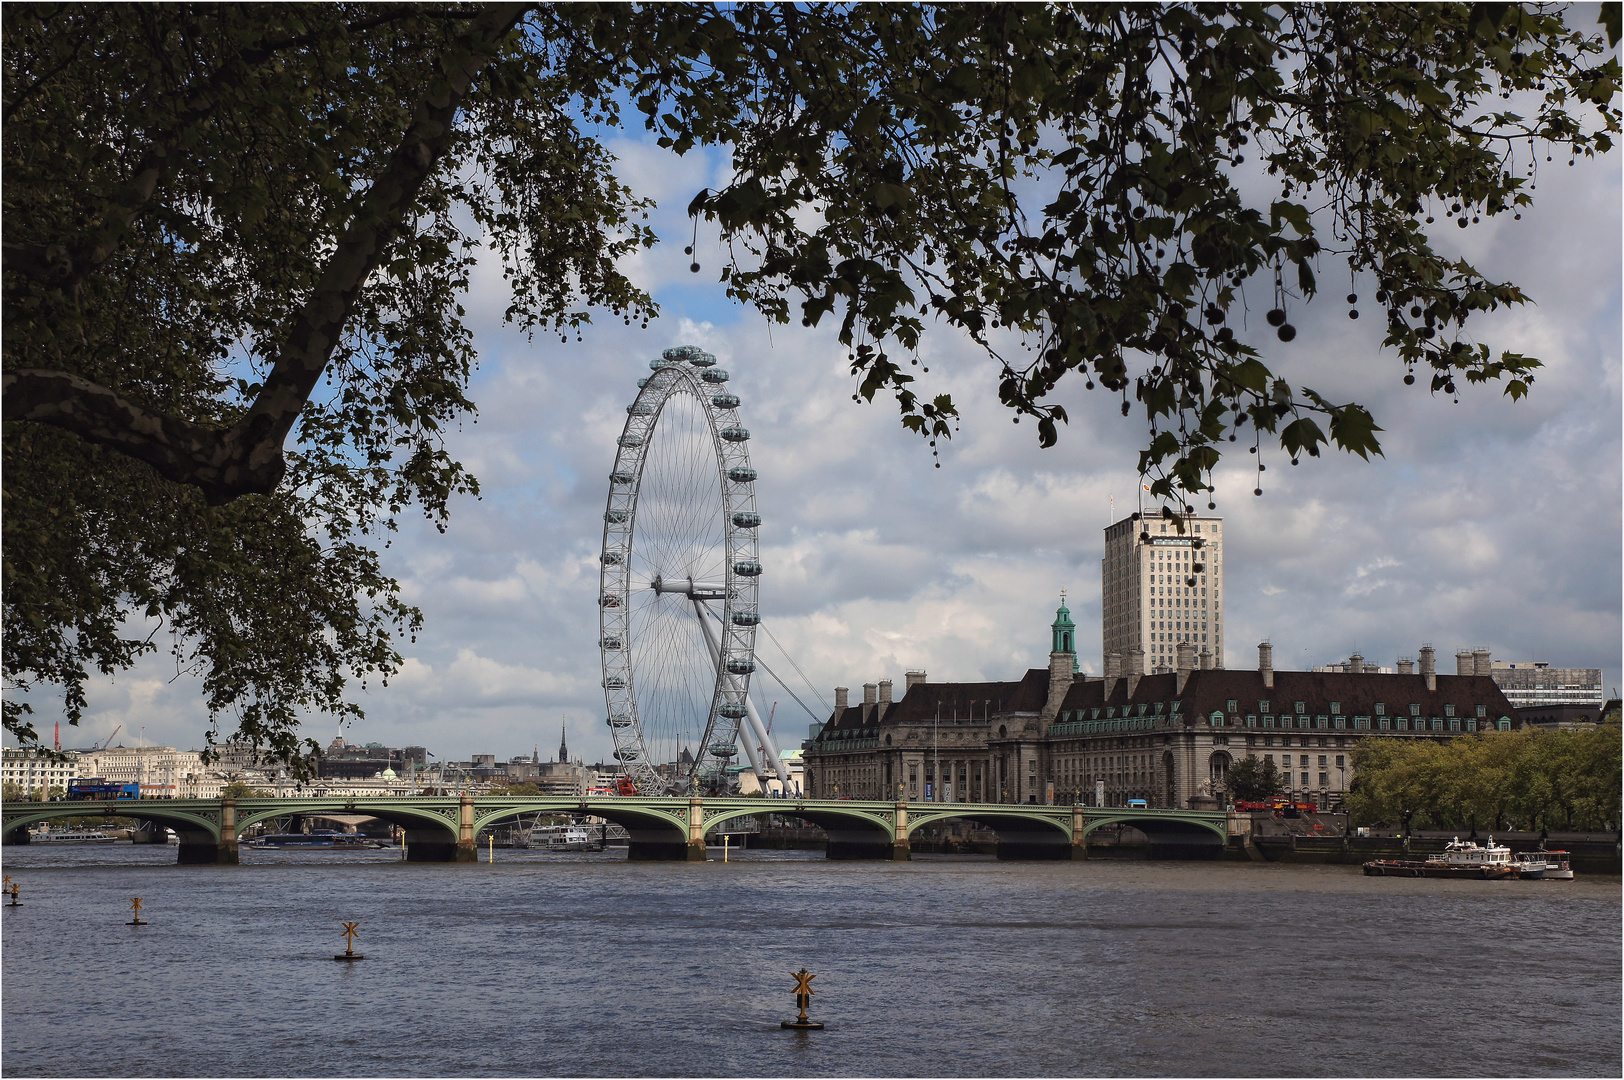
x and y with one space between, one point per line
105 743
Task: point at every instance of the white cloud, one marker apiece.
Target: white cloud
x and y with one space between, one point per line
1488 522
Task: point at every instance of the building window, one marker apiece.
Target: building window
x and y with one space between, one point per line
1386 723
1336 708
1339 761
1251 721
1482 711
1341 721
1449 710
1321 723
1471 725
1322 780
1381 710
1415 710
1263 706
1505 725
1322 764
1437 724
1454 724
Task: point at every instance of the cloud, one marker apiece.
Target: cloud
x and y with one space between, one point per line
1487 522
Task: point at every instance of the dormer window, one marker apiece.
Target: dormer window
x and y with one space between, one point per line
1449 710
1230 706
1263 707
1381 710
1336 708
1482 711
1415 710
1299 708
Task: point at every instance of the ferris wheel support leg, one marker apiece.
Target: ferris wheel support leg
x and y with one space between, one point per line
749 710
766 738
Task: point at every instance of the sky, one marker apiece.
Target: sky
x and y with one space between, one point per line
1487 523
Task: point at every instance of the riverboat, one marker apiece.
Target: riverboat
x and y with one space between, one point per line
566 838
322 839
1545 864
1459 860
70 836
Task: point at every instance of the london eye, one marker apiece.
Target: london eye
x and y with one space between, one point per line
678 583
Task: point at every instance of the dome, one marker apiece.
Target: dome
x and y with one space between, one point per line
389 774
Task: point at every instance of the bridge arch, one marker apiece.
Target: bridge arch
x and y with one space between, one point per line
1164 828
192 827
861 830
1022 834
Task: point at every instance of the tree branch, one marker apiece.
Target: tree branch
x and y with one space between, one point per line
247 458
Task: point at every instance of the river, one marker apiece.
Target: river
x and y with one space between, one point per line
587 965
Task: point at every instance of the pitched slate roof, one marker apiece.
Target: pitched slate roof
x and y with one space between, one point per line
919 702
1210 691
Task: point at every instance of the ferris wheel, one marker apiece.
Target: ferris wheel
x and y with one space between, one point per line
677 596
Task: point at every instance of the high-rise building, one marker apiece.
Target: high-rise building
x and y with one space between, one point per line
1529 683
1160 586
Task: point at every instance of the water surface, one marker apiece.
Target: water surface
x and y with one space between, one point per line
586 965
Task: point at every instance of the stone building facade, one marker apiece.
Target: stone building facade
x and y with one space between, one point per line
1167 738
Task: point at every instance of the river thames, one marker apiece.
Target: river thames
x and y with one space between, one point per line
586 965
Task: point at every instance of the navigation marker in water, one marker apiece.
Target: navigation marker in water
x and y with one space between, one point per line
135 905
349 952
803 997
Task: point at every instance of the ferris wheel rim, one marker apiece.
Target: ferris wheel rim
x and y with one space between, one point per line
683 371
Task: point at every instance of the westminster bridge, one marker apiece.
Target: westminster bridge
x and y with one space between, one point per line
444 828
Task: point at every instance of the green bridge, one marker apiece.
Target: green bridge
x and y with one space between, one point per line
445 828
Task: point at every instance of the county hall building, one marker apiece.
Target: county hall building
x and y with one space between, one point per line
1167 737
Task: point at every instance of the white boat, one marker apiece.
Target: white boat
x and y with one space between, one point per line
1553 864
566 838
70 836
1530 866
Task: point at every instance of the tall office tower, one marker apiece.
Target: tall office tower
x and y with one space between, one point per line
1162 586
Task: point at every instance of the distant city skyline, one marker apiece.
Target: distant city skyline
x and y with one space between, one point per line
1487 523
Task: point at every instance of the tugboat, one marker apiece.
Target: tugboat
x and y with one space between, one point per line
1459 860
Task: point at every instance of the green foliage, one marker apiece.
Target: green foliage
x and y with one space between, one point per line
237 238
1564 779
11 791
1254 779
239 789
523 789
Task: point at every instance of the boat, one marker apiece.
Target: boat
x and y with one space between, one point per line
1458 860
70 836
566 838
1552 864
328 839
1530 867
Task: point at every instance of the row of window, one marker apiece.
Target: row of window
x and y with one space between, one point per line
1285 760
1380 708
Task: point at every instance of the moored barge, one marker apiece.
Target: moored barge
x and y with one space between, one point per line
1459 860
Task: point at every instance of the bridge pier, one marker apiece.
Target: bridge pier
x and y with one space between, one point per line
16 838
901 846
467 848
696 831
198 850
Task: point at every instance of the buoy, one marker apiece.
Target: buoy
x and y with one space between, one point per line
803 997
349 952
135 905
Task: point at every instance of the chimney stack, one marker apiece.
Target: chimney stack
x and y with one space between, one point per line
1406 667
912 679
885 691
1480 661
1184 654
1136 668
842 702
1265 663
870 695
1206 659
1463 662
1429 666
1113 672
